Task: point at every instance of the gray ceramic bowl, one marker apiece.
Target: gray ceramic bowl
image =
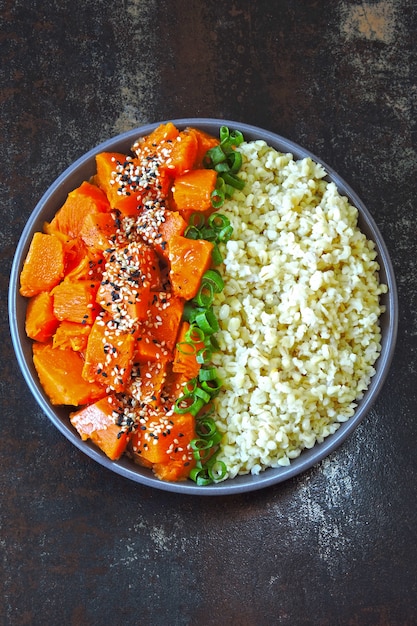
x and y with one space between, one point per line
81 170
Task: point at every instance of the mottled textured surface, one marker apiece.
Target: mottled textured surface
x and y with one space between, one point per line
337 545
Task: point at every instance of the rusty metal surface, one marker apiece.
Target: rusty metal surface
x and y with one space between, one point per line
338 544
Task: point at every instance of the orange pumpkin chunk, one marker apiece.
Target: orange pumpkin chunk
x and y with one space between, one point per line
147 381
192 191
41 322
175 470
95 422
164 318
157 334
174 224
183 154
189 260
122 197
86 199
96 231
174 385
165 439
82 263
130 273
71 335
60 375
44 265
205 142
75 301
185 361
109 355
159 139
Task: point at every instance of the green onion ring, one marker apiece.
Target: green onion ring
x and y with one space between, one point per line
192 232
204 356
206 427
233 180
207 373
200 393
188 404
207 321
212 386
217 198
217 471
205 295
214 277
216 255
200 476
194 335
197 220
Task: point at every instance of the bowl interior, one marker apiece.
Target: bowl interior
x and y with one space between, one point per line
51 201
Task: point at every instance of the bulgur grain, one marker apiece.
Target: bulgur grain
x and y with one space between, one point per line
299 314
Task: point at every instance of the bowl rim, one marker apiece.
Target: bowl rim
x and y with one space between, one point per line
56 194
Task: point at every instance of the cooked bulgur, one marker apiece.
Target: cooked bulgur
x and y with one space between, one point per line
299 314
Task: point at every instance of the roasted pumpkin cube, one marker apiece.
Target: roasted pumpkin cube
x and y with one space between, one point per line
96 422
40 323
164 439
109 354
83 201
60 374
75 301
192 190
44 265
71 335
189 259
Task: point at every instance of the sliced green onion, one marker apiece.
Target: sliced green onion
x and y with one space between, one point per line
207 321
209 234
200 476
201 393
214 278
215 155
197 220
229 139
212 343
222 167
204 356
211 472
194 335
209 432
206 427
190 387
224 134
234 161
186 347
233 180
207 373
188 404
212 386
216 255
228 191
217 198
224 190
189 311
225 234
236 137
218 221
201 445
205 295
192 232
217 470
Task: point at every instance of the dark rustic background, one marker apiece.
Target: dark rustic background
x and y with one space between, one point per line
338 544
